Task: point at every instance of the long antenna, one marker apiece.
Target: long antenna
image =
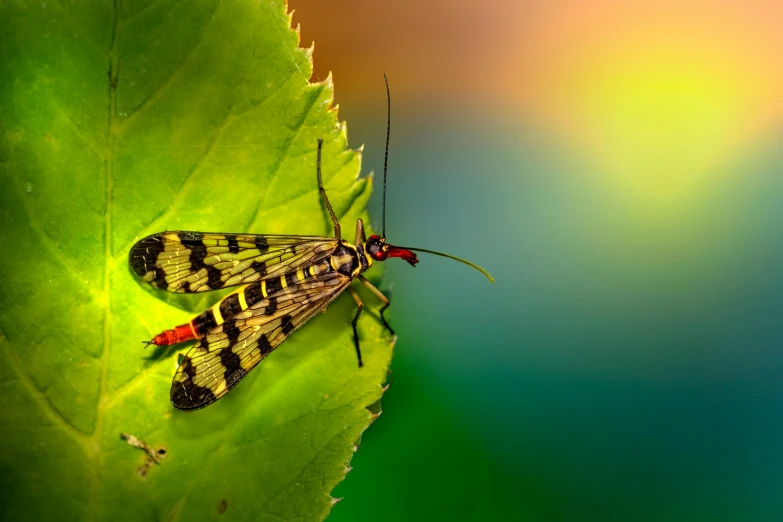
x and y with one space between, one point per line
455 258
386 157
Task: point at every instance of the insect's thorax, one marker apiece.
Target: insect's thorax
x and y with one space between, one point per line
349 260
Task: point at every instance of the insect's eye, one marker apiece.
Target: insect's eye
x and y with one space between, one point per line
377 248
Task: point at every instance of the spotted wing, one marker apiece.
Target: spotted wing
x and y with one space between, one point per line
230 351
187 262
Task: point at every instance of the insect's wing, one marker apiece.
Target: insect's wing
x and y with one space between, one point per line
187 262
230 351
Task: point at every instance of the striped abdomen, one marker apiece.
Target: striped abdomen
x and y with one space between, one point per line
251 296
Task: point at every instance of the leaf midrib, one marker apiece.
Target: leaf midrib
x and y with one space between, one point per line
109 162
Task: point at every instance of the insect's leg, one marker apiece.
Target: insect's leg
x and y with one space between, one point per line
382 297
323 192
356 320
361 238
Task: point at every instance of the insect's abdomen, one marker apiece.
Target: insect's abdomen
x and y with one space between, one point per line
225 312
238 302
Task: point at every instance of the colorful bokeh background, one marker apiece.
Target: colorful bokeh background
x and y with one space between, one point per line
618 167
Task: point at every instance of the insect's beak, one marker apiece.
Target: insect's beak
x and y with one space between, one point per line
404 253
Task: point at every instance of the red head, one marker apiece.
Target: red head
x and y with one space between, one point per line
379 250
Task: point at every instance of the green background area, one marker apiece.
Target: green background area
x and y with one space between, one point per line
625 366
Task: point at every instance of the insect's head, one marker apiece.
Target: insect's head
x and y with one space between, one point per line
380 250
376 246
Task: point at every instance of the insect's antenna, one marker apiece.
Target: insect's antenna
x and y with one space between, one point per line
147 343
455 258
386 157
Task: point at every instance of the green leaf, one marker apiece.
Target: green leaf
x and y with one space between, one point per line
120 119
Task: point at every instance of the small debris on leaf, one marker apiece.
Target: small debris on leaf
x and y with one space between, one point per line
152 456
155 455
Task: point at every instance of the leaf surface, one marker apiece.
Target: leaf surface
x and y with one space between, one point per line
122 119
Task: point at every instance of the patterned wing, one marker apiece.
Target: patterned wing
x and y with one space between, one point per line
187 262
229 351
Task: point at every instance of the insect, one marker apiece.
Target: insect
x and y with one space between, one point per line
285 280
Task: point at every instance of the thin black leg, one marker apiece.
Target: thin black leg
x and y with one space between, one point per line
382 297
383 319
360 307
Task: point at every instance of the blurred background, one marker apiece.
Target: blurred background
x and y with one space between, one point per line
618 167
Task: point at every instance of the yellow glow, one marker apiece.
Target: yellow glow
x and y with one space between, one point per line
662 102
661 122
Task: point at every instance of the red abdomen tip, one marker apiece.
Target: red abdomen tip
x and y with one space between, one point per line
179 334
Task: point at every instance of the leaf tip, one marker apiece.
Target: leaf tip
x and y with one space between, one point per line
329 80
298 31
375 408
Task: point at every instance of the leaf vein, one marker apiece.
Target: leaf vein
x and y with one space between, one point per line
68 18
316 454
179 193
39 396
142 10
52 245
157 91
284 153
126 388
89 142
228 117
